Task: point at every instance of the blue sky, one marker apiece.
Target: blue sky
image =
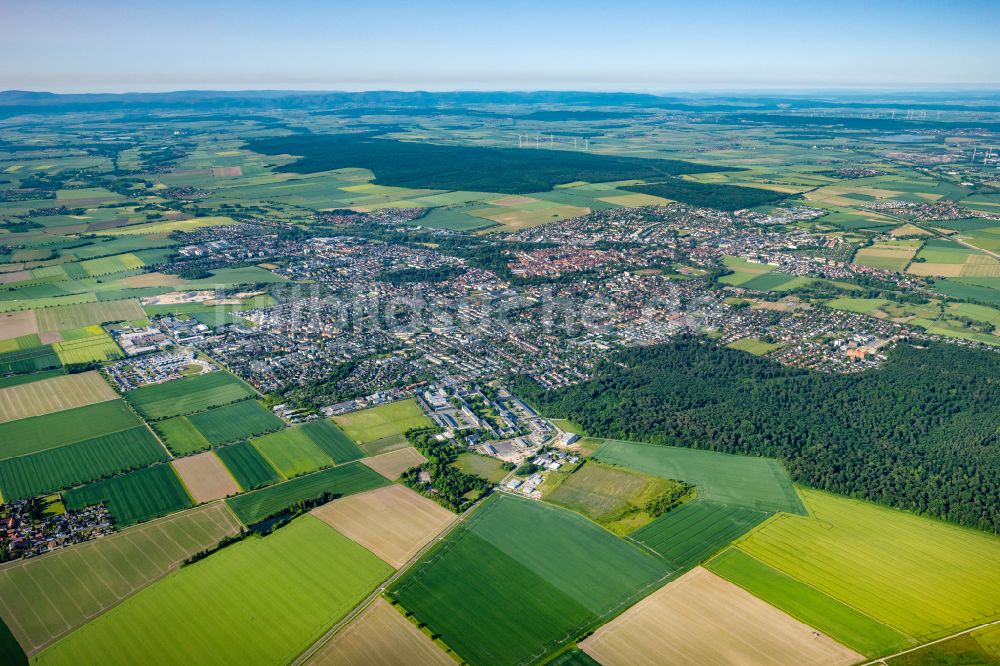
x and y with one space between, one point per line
113 45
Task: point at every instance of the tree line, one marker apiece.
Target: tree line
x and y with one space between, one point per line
922 433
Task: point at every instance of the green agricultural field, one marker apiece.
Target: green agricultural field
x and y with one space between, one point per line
237 421
55 469
342 480
384 421
803 602
485 467
332 441
38 433
760 483
692 532
888 255
13 653
113 264
29 360
84 350
986 290
85 314
45 598
188 395
180 435
939 251
20 343
134 497
292 452
263 600
519 579
247 466
17 380
976 648
925 578
231 277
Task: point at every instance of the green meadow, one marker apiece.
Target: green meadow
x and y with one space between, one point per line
263 600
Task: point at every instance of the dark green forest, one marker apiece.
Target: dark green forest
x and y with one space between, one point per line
427 165
922 433
711 195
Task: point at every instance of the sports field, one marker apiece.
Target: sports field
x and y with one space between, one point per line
205 477
54 469
43 598
261 601
247 466
393 522
519 578
53 395
922 577
388 420
292 452
332 441
702 619
38 433
381 636
807 604
134 497
692 532
188 395
392 465
759 483
342 480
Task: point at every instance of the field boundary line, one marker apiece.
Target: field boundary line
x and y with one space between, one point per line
802 582
319 643
118 599
142 420
883 662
